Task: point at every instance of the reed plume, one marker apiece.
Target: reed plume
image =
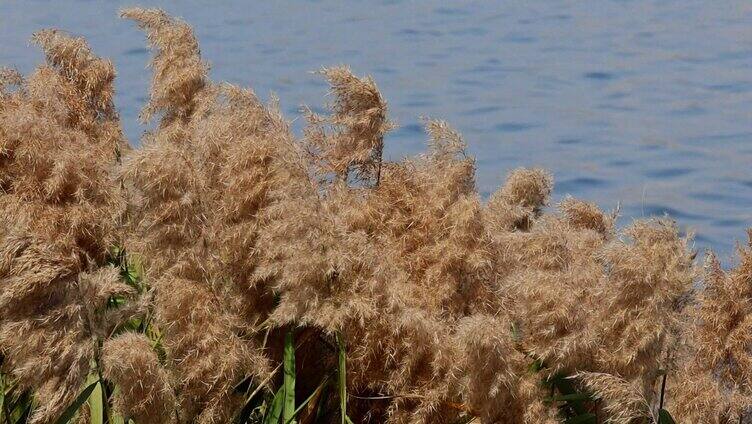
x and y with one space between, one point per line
624 402
584 298
355 141
202 186
713 384
59 142
144 390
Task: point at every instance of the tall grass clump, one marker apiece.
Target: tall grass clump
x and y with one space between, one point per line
713 384
201 187
60 139
228 271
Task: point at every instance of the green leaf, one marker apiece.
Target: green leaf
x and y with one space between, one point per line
564 385
96 403
2 403
581 419
117 419
10 388
18 406
536 366
24 418
98 399
73 408
305 402
665 418
342 378
114 418
273 414
288 412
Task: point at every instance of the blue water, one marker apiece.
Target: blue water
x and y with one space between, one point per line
646 104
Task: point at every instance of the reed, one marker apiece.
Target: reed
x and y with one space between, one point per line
227 271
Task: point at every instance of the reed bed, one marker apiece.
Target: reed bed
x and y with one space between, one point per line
227 271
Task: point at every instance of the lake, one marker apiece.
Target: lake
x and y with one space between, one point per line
646 104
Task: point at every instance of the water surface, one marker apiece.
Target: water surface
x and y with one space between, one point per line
646 104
